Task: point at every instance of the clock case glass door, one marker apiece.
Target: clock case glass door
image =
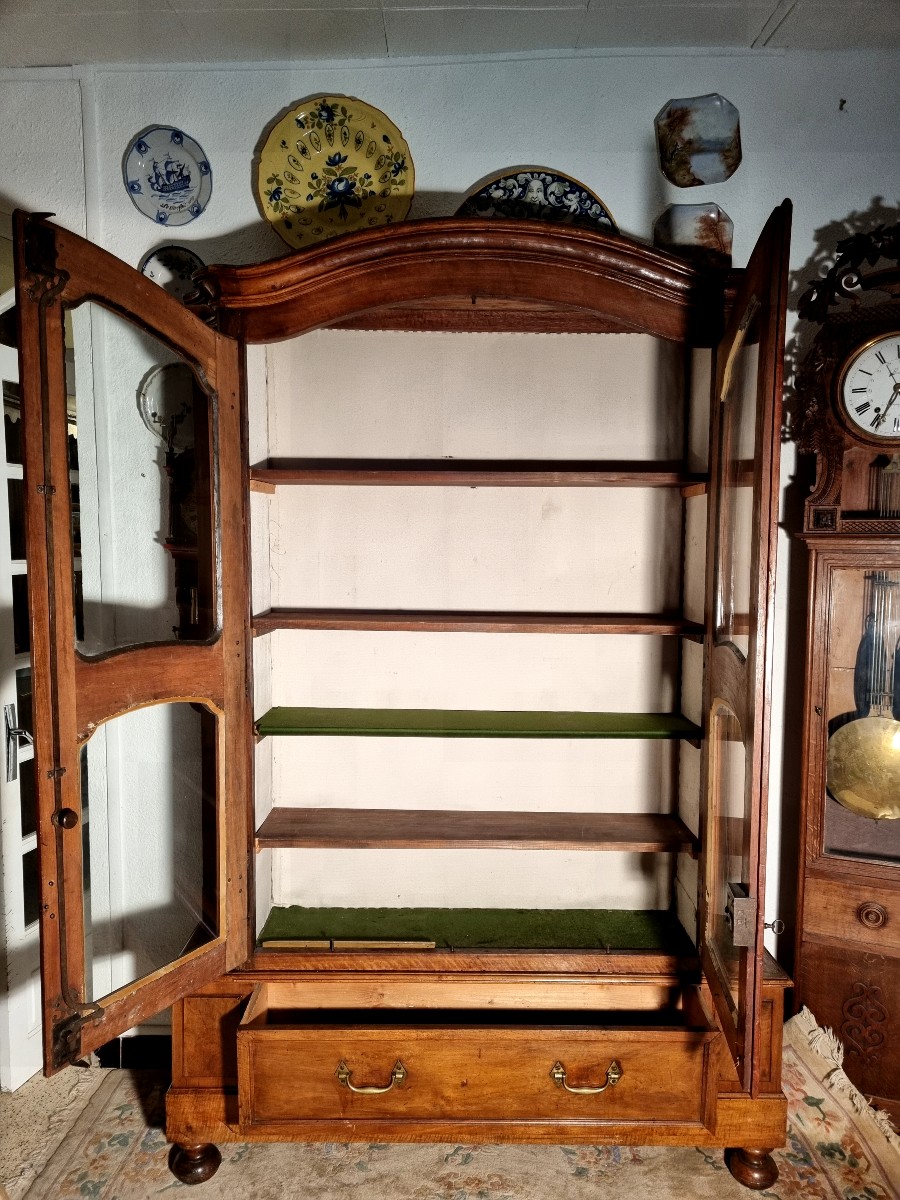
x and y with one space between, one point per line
75 694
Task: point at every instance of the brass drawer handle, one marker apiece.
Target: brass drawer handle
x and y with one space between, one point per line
398 1076
613 1075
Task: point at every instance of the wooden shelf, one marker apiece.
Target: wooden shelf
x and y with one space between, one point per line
355 828
437 621
491 929
449 472
465 723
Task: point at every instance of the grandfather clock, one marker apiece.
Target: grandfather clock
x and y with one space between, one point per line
848 939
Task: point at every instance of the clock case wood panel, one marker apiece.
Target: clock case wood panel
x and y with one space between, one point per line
848 893
436 274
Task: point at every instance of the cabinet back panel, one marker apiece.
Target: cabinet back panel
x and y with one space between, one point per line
515 671
351 393
480 878
481 548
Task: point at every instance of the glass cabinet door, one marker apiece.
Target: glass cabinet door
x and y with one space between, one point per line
741 535
139 619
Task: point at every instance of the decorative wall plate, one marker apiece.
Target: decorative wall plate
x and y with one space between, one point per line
172 267
541 194
167 175
332 165
702 232
698 140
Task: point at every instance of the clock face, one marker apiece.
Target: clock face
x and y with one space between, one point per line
869 392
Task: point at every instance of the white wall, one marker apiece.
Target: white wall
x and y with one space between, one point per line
821 129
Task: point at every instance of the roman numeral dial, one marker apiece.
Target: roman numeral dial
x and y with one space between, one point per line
869 389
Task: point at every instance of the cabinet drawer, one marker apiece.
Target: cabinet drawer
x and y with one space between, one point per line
853 910
475 1066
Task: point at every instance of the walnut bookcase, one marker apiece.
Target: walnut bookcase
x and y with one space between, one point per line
460 1021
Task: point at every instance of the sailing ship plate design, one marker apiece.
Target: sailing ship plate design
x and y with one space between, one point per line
167 175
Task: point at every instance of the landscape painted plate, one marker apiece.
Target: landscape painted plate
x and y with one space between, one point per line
333 165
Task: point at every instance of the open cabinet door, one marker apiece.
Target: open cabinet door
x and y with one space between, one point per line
741 539
133 467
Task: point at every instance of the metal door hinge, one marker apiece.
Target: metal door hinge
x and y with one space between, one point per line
740 914
45 489
67 1040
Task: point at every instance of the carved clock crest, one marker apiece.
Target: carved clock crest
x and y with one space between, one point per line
848 388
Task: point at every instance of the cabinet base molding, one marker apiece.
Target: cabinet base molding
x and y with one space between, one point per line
195 1115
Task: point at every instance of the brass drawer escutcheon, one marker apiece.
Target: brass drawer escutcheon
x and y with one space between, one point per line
613 1075
398 1077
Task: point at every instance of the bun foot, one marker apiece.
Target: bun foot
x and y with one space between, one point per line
194 1164
751 1167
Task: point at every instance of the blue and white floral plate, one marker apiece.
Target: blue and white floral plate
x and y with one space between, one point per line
333 165
167 175
540 194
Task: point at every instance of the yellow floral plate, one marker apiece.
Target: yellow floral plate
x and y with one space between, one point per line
333 165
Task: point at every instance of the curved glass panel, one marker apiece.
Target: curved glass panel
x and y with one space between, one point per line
862 769
149 842
728 817
736 503
142 487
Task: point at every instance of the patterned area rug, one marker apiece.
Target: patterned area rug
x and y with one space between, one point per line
837 1149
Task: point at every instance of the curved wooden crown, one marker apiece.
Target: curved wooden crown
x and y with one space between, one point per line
625 283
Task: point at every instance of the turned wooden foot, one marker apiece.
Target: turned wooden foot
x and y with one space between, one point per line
194 1164
751 1167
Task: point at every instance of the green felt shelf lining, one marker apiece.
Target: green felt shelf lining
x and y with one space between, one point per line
487 928
426 722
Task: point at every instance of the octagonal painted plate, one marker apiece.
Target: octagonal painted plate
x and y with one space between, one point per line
167 175
698 140
540 194
332 165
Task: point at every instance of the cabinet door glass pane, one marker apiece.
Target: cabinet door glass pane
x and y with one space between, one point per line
862 772
16 494
727 832
140 487
30 888
21 622
27 797
149 840
735 531
12 422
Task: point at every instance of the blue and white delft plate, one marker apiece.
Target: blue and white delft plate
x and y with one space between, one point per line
167 175
540 194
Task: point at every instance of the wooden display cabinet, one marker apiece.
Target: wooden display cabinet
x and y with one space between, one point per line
368 962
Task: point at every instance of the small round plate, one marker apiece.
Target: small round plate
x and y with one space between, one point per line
332 165
540 194
167 175
172 268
